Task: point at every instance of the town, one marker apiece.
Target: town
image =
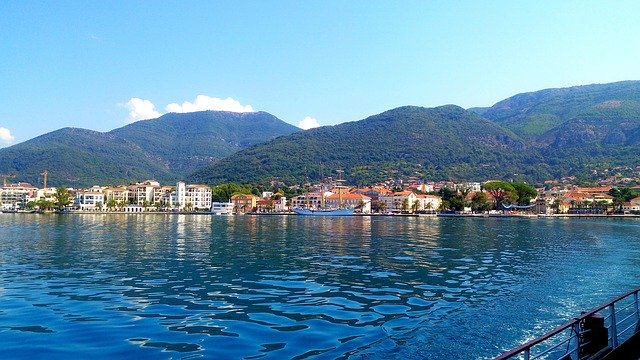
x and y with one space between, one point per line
410 196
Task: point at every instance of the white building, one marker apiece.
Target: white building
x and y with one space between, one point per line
398 201
142 192
192 197
88 200
222 208
15 196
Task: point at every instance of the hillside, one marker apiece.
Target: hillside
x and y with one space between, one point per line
533 115
444 142
580 129
187 142
166 149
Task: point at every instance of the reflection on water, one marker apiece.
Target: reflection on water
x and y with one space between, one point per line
132 286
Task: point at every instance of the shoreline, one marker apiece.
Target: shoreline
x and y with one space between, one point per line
444 215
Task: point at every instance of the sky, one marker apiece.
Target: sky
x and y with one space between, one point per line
101 65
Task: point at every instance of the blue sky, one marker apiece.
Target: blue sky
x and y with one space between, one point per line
102 64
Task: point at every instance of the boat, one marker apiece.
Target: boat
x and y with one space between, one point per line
328 211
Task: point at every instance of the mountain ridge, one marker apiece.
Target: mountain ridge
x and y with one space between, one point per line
167 148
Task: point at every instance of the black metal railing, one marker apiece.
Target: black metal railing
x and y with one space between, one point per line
588 336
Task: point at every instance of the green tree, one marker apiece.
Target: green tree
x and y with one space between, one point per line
404 206
480 202
61 198
501 191
111 204
378 206
224 192
457 203
524 192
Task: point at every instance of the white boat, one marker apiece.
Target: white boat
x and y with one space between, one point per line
328 211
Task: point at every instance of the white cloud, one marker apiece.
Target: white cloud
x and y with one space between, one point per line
5 136
308 123
140 109
204 102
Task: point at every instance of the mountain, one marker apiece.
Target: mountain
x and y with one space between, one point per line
578 129
534 115
443 142
167 148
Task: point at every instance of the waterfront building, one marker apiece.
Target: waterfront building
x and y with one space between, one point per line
312 200
16 196
119 194
88 200
361 203
243 203
373 192
142 193
191 197
199 196
428 202
398 201
222 208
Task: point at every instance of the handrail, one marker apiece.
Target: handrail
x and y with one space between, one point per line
529 344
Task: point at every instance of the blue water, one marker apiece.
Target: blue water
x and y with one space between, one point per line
280 287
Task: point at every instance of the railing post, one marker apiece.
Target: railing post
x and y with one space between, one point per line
614 327
635 301
527 353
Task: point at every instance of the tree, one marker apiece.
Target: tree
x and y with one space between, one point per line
61 198
457 203
111 204
480 202
501 191
405 205
378 206
524 192
416 206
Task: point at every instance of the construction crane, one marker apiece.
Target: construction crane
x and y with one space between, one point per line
5 177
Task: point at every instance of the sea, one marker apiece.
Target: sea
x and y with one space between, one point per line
152 286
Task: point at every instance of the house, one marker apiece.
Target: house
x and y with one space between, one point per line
427 202
243 203
632 205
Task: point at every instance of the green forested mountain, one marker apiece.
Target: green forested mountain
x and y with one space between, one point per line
578 129
444 142
167 148
534 136
533 114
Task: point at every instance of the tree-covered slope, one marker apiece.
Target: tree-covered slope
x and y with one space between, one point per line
578 130
77 157
443 142
187 142
166 149
533 114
